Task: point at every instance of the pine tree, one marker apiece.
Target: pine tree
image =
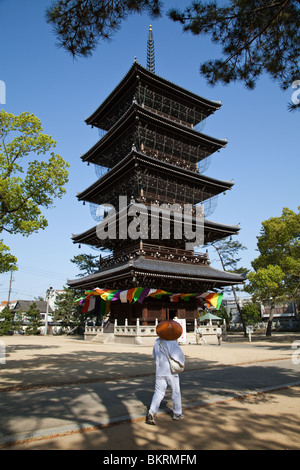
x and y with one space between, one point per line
228 250
6 321
87 264
80 24
33 315
256 36
68 312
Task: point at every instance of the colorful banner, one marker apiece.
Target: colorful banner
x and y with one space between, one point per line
138 294
214 299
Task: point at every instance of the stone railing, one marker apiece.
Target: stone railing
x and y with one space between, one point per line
92 331
136 334
135 330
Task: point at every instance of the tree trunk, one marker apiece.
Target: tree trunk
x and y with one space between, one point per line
239 310
269 325
233 290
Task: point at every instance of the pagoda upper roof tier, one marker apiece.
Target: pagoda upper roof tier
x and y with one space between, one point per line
140 175
152 133
213 231
138 271
145 86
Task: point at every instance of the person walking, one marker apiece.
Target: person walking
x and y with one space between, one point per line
164 378
219 335
199 335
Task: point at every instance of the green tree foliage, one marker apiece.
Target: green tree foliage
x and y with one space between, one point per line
80 24
8 262
33 315
87 264
6 321
10 321
26 185
228 251
279 245
69 313
256 36
276 275
251 313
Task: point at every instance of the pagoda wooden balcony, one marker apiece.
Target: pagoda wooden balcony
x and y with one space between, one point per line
168 116
157 252
169 158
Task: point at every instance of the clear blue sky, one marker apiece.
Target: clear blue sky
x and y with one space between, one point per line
262 155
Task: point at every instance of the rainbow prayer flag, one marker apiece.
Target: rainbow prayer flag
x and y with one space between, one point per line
214 299
139 294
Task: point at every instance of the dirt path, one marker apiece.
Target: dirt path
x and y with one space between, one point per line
266 421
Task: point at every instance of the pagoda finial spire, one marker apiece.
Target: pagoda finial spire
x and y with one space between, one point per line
150 51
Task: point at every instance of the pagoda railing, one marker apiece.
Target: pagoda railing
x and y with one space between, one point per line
168 158
168 116
155 252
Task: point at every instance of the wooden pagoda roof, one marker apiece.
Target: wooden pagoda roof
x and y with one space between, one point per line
96 154
213 231
138 72
160 271
212 186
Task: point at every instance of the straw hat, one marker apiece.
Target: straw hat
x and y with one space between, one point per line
169 330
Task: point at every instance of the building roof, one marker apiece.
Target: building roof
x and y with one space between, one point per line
129 118
212 186
23 305
212 231
160 269
209 316
138 72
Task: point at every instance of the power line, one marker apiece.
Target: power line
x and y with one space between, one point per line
41 272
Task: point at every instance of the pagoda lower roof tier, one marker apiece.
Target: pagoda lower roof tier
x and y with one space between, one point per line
154 134
146 179
169 276
213 231
155 92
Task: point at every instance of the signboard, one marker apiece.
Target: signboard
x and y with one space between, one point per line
182 322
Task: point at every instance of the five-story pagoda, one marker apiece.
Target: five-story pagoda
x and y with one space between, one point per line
152 156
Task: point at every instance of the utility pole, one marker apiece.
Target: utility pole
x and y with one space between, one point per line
10 286
48 295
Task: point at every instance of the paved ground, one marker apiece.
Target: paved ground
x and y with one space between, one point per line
64 393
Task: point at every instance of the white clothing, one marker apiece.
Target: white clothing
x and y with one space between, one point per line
161 384
164 376
162 362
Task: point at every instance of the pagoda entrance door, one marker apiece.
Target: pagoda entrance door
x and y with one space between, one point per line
171 313
174 312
